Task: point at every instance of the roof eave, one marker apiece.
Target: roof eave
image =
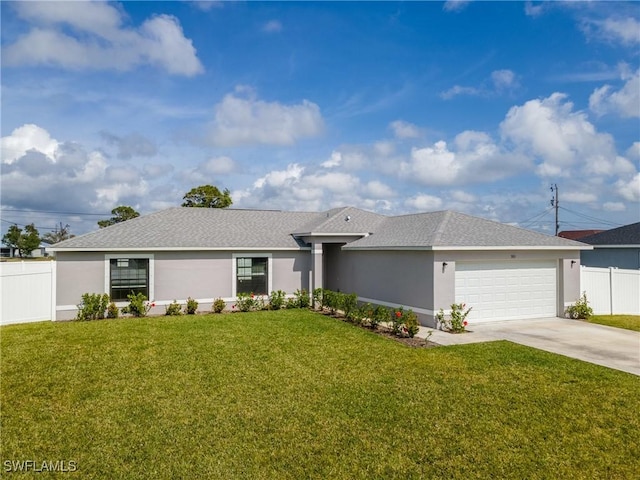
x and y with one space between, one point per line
471 248
630 245
173 249
332 234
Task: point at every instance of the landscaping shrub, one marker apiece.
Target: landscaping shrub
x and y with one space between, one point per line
191 307
380 314
330 300
173 309
334 301
302 298
580 309
276 300
456 322
350 306
410 324
93 306
317 298
404 323
246 302
113 311
365 314
219 305
138 305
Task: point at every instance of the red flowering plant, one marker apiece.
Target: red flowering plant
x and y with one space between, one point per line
138 305
248 302
456 321
404 323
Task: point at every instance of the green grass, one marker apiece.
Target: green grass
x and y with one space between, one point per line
293 394
630 322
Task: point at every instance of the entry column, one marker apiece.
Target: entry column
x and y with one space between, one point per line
316 265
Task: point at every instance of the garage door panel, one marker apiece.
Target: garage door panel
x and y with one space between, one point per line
507 290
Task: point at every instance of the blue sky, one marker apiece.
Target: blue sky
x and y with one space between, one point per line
395 107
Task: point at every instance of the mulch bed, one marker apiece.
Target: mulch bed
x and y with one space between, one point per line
414 342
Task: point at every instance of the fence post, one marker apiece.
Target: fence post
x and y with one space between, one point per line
54 281
611 290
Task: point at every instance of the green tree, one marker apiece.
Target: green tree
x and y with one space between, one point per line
120 214
58 235
207 196
25 241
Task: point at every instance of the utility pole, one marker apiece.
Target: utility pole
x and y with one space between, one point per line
555 202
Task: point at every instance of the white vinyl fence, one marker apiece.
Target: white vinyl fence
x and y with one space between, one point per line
27 292
611 291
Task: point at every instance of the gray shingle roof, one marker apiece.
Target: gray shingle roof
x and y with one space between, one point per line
343 220
625 235
193 228
452 229
212 228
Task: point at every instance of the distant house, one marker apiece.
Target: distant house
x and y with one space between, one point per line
423 261
11 252
577 234
618 247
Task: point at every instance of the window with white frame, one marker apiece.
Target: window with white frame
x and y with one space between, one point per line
252 275
128 276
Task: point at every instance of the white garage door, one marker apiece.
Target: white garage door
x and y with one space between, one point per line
507 290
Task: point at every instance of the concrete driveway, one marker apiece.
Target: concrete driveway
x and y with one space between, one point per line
607 346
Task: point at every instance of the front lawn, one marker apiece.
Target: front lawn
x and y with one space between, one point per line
630 322
294 394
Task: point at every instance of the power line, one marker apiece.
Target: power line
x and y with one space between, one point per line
592 219
23 225
524 223
56 213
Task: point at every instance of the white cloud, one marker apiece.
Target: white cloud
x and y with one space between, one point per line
246 121
295 188
272 26
624 102
219 166
65 176
633 152
455 5
280 178
473 157
499 82
579 197
102 42
459 90
334 161
333 181
157 169
377 189
532 10
463 197
619 30
435 165
131 145
207 5
561 139
629 190
25 138
351 158
383 148
402 129
614 207
424 202
503 79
